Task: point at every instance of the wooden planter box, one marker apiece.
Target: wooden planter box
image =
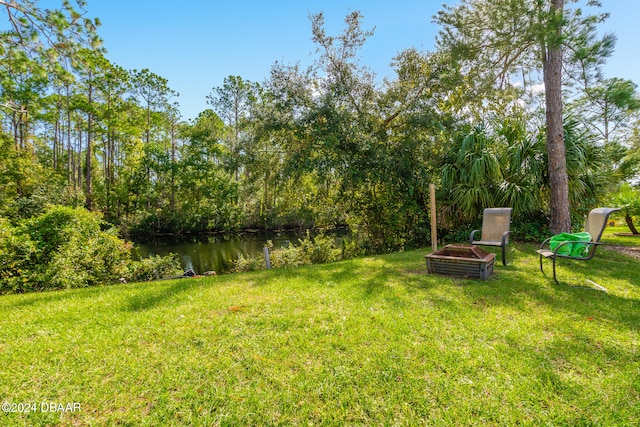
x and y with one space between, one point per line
461 261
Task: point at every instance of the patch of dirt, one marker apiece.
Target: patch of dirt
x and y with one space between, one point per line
632 251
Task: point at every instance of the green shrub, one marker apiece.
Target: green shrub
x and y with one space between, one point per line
318 250
154 268
284 257
15 258
532 231
99 259
310 250
249 264
67 248
59 226
351 248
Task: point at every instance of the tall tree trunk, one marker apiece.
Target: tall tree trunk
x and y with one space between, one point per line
14 128
235 150
88 180
106 168
558 179
56 142
79 158
22 131
173 168
71 171
147 151
70 163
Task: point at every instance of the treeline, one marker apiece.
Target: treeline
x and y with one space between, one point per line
319 146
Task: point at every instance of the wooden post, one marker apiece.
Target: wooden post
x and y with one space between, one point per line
267 259
434 229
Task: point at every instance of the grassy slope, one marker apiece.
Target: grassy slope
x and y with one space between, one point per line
364 342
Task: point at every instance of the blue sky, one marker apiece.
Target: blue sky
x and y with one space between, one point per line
195 44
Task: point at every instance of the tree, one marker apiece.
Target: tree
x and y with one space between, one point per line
551 54
232 102
354 136
112 88
91 65
208 194
35 48
609 108
154 94
628 200
45 36
23 87
501 40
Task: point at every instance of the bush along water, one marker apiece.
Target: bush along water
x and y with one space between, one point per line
68 248
310 250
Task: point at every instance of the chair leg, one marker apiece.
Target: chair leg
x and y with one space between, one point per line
504 255
554 271
541 269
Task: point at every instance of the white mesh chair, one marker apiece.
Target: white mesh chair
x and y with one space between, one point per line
595 225
496 223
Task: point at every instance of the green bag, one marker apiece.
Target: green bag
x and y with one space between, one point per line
576 249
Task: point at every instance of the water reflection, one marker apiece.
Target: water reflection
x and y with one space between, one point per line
215 253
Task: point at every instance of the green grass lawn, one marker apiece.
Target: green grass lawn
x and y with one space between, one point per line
372 341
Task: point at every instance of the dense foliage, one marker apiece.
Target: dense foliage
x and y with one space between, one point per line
318 249
67 248
627 199
323 146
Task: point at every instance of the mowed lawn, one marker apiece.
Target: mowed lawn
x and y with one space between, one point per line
372 341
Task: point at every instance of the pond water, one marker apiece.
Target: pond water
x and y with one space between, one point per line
215 252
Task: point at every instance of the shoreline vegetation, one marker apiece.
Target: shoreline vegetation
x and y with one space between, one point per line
72 248
370 341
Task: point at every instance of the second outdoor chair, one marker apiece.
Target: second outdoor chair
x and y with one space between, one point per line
495 230
595 225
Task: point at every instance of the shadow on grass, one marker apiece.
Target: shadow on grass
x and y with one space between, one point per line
517 285
149 298
147 295
100 300
53 296
523 282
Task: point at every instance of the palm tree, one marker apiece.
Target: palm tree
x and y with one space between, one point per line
504 164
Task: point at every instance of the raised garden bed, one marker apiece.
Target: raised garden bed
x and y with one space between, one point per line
461 261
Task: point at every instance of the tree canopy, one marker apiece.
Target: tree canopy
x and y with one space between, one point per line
326 145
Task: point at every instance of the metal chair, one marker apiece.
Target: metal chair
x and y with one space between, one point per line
495 230
595 225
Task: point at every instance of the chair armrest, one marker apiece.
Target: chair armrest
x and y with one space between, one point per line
587 244
545 242
471 236
504 237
